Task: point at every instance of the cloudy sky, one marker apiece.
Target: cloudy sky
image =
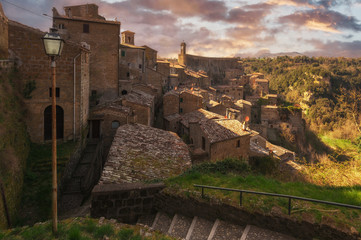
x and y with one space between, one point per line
221 28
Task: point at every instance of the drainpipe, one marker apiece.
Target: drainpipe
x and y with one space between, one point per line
74 88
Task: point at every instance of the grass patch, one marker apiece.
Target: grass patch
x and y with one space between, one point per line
78 229
38 181
249 180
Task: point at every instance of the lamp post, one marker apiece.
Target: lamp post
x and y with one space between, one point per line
53 45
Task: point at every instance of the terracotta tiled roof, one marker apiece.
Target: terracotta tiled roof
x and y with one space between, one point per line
126 45
142 153
198 116
218 130
139 97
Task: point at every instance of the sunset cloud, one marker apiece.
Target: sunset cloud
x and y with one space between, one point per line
324 20
220 28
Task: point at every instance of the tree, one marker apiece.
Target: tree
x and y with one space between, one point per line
350 103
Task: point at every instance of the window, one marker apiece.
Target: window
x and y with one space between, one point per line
57 92
128 74
238 143
203 143
124 92
115 124
61 26
123 53
94 92
140 66
85 28
181 110
181 99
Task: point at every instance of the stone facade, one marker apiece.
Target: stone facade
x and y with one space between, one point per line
181 102
214 67
34 66
4 42
220 138
131 63
124 202
142 104
83 24
150 57
235 92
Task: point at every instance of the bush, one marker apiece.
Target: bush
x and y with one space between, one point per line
125 234
106 229
226 166
264 165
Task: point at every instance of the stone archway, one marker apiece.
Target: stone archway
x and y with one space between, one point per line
59 123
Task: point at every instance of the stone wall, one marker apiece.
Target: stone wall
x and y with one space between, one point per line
124 202
229 148
170 104
34 66
214 67
212 210
4 42
104 59
189 102
143 113
269 113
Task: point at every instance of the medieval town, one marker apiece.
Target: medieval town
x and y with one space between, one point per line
139 119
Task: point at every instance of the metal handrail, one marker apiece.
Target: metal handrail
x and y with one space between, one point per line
290 197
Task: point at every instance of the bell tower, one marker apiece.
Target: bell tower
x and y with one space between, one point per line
182 55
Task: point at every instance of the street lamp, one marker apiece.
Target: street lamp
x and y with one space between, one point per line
53 45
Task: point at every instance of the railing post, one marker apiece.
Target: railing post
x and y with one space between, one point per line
289 206
202 192
240 198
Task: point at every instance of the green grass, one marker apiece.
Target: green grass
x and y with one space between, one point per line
38 181
82 229
249 180
343 146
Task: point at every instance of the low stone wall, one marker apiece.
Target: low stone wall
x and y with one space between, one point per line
124 202
276 221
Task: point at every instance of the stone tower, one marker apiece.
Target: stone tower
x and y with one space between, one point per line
4 43
182 55
128 37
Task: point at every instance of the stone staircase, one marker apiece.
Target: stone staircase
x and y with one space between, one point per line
197 228
72 195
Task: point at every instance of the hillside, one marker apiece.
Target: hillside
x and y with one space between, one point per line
14 146
327 89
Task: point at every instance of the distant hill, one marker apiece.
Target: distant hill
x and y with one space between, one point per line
281 54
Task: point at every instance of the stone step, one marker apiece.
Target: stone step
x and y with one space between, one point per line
146 220
180 226
227 231
256 233
162 222
201 229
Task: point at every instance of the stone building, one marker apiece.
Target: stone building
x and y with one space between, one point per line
141 153
214 67
106 117
82 23
181 102
4 42
72 90
131 60
235 92
142 105
219 139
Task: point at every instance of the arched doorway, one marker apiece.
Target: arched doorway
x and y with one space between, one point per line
59 123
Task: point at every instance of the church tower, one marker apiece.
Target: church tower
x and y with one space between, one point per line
182 55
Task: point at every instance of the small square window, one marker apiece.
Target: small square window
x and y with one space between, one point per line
115 124
181 99
57 92
61 26
85 28
123 53
128 74
238 143
94 92
140 66
181 110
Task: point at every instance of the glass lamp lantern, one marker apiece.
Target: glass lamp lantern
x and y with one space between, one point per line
53 44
